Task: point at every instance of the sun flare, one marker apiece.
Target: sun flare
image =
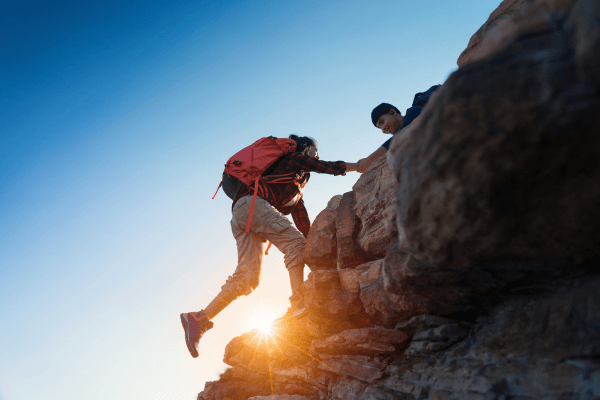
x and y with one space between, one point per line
262 320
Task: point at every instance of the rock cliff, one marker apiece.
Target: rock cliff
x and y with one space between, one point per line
465 265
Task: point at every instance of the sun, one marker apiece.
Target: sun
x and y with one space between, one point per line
262 320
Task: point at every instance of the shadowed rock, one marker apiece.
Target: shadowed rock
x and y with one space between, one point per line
347 225
373 341
321 245
505 160
375 194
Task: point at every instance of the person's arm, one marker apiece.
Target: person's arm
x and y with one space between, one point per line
351 167
311 164
364 163
300 217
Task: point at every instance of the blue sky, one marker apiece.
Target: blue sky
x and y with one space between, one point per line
116 119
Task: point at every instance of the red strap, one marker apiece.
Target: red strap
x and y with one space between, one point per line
220 183
252 204
268 247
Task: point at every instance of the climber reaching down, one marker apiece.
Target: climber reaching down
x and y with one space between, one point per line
391 121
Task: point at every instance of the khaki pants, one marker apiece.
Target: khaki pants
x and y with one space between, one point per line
267 224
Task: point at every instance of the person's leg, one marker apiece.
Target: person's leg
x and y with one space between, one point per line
244 280
246 277
296 277
280 231
218 304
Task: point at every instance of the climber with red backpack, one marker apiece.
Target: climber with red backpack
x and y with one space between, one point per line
266 181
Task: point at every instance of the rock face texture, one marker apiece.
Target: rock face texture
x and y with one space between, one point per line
466 265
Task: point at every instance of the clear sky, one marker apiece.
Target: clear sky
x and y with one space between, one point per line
116 119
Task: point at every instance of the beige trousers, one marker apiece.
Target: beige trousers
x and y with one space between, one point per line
267 224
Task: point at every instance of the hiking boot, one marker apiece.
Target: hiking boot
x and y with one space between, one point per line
299 309
195 324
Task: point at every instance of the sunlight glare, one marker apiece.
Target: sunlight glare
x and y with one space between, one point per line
262 320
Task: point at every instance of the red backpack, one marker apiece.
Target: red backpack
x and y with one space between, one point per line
246 168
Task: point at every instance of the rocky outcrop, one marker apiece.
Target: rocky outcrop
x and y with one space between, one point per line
321 243
375 194
465 266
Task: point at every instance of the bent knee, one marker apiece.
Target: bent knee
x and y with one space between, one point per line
241 283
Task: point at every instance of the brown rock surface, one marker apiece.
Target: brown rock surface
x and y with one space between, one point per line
385 307
362 368
494 170
321 245
375 193
368 341
497 30
281 397
347 225
236 384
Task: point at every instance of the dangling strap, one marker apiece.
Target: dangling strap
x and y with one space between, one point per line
220 183
268 247
252 204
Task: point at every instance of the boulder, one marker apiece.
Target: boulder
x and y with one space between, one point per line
375 193
366 341
383 306
281 397
347 225
504 161
514 18
362 368
321 244
236 384
498 29
335 293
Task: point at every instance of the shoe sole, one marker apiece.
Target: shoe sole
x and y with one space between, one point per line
302 312
190 346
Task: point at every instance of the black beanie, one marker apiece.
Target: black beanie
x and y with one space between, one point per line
380 110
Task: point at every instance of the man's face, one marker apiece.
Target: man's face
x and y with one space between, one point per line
390 122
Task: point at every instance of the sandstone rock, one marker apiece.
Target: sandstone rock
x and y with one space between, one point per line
347 224
362 368
321 245
494 170
375 192
497 30
288 342
369 341
280 397
384 307
333 297
334 292
236 384
321 324
423 322
436 339
344 389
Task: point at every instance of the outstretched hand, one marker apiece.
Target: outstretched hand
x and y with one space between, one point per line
363 164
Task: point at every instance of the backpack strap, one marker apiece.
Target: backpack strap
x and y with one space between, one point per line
215 195
252 204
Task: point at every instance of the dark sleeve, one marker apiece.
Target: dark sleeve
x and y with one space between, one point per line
311 164
387 143
300 217
411 114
